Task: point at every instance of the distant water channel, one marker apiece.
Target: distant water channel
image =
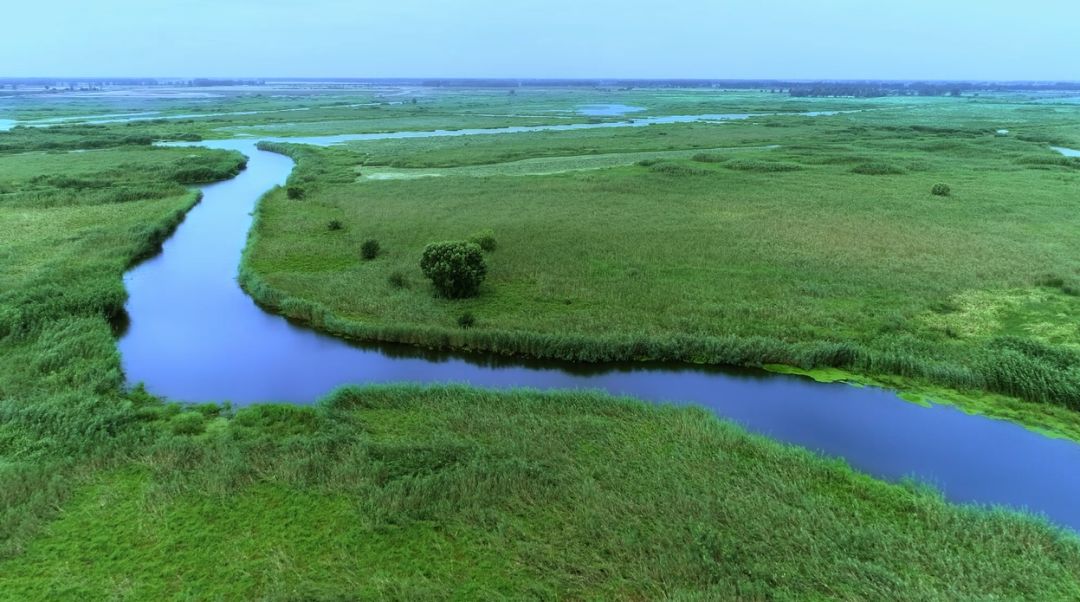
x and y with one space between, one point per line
608 110
195 336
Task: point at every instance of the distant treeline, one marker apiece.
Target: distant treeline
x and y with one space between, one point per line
856 88
205 83
873 90
65 82
97 83
865 88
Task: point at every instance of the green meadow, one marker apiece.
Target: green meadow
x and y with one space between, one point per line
814 243
409 493
809 242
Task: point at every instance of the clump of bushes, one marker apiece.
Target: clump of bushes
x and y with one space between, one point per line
294 193
940 189
762 166
1050 280
877 169
188 423
369 249
334 225
1040 162
708 158
455 268
207 168
676 169
485 239
466 320
1053 281
397 279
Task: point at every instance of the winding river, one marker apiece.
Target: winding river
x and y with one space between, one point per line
195 336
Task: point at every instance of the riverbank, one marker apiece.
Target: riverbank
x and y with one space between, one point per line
441 492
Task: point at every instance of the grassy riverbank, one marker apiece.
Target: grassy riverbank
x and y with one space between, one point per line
825 250
72 224
409 493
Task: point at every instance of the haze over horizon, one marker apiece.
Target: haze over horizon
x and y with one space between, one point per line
768 39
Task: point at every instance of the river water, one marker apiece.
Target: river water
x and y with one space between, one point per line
195 336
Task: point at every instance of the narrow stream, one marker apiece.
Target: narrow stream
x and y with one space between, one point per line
195 336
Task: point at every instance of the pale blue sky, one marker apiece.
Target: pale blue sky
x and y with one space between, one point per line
887 39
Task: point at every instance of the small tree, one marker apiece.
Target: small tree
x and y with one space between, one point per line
455 268
941 190
370 249
294 193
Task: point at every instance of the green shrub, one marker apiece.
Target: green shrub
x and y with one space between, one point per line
466 320
762 166
294 192
370 249
676 169
484 238
709 158
334 224
877 169
398 279
1050 280
1040 162
188 423
940 189
455 268
1053 281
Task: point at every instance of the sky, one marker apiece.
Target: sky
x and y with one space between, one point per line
721 39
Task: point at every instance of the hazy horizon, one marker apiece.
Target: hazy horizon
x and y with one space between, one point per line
556 39
464 78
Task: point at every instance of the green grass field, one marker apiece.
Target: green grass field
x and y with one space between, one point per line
825 248
675 239
408 493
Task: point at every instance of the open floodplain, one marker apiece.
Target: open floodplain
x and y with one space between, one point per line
663 243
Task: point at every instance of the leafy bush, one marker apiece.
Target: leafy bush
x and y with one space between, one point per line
485 238
1040 162
940 189
201 169
398 279
455 268
294 193
709 158
1050 280
1054 281
188 423
877 169
676 169
334 224
762 166
466 320
370 249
